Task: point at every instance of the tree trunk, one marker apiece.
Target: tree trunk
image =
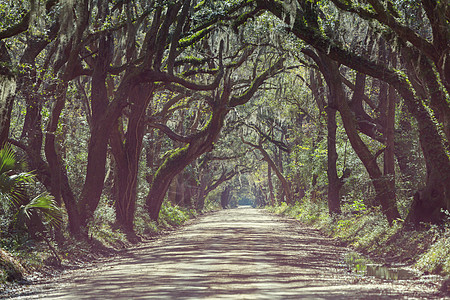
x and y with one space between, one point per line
104 116
202 142
127 153
60 187
269 183
383 194
7 91
182 157
171 167
334 182
225 197
31 139
435 196
286 187
202 193
389 161
205 188
99 135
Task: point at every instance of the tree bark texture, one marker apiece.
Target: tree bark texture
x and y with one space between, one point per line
60 187
127 151
334 182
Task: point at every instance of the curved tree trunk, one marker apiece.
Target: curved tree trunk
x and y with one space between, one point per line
205 188
104 116
60 187
127 152
383 193
179 159
334 182
286 187
171 167
202 142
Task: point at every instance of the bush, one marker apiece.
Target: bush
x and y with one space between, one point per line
437 258
102 228
174 215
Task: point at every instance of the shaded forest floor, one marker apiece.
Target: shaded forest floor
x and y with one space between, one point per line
231 254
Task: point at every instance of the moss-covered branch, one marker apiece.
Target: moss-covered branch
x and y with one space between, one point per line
248 94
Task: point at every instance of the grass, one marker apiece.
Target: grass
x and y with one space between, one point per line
367 231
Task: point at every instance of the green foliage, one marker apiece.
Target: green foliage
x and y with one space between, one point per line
367 231
212 201
437 258
357 206
101 226
174 215
14 185
307 211
12 181
356 262
47 207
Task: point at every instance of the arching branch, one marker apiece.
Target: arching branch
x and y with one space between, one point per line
17 28
170 133
248 94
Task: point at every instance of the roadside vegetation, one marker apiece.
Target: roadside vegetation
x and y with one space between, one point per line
22 256
367 232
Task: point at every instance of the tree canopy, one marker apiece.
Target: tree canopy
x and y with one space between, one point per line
128 104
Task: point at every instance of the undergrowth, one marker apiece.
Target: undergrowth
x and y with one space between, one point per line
19 254
367 231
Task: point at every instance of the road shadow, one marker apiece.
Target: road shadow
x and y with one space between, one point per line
232 254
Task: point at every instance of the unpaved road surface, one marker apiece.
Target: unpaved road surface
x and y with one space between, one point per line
232 254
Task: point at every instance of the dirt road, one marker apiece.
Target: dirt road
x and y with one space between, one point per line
240 253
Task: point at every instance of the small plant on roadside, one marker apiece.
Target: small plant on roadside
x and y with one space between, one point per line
437 258
101 227
173 215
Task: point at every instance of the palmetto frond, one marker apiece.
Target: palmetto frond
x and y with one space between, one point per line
9 161
12 183
46 205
